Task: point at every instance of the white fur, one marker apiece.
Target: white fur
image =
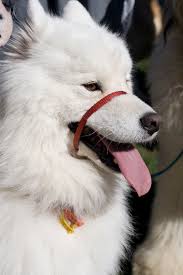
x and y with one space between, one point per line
161 254
40 95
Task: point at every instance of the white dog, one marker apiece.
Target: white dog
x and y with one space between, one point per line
55 70
161 254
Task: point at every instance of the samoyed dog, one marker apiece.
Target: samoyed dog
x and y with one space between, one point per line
55 69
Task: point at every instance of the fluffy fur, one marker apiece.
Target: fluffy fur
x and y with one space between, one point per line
46 64
161 254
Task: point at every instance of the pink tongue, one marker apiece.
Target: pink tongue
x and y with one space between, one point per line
134 170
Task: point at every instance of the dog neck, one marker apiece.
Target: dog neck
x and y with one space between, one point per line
41 167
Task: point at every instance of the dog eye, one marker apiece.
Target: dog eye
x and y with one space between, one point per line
92 86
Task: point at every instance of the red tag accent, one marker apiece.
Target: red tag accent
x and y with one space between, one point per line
71 217
90 112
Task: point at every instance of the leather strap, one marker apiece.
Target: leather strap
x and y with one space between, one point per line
90 112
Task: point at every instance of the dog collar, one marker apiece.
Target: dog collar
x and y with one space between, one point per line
70 221
90 112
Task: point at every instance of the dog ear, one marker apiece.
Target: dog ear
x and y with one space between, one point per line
76 13
36 13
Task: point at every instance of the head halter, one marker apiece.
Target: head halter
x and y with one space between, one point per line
90 112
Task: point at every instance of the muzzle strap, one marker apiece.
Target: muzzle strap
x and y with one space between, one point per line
90 112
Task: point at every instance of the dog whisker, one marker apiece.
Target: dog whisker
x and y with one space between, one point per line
89 135
102 138
108 147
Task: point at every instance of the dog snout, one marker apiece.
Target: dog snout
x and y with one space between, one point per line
150 122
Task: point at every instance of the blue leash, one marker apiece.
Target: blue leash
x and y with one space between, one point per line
158 174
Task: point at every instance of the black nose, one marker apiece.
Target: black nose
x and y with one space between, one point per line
150 122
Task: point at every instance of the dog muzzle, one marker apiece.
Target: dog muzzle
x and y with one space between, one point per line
130 162
90 112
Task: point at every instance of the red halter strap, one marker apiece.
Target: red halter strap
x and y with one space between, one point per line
90 112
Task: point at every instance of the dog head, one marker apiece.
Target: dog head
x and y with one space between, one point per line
73 63
57 69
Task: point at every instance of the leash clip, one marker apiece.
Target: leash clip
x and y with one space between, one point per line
69 220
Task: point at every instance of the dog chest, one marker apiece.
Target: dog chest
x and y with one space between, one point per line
40 245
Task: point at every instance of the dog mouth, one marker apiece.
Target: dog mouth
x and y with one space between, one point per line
100 145
119 157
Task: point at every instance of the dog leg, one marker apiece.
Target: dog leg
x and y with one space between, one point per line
161 253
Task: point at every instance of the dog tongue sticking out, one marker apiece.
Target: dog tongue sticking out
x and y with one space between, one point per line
129 161
134 169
